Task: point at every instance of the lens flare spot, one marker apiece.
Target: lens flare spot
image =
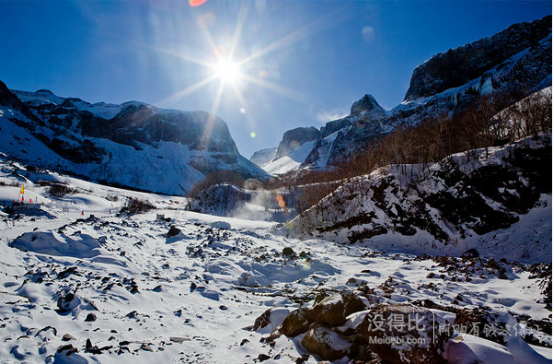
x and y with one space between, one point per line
195 3
368 33
294 145
252 135
281 201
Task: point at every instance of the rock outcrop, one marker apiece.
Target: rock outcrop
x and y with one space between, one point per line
459 66
361 327
293 139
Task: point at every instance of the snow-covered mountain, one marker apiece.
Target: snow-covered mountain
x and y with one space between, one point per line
481 199
83 283
263 157
514 62
133 144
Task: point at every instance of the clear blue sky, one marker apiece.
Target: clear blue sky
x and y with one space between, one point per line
304 62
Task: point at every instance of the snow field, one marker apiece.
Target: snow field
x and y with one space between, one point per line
141 296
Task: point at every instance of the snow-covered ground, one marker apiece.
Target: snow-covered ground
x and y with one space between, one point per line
81 284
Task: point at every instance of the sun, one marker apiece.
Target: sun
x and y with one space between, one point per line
227 71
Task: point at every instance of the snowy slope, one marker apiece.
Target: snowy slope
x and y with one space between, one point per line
292 160
263 157
133 144
189 288
21 143
498 201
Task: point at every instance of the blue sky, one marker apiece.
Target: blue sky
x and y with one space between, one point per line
302 63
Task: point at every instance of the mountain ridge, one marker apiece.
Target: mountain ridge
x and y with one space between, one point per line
133 144
523 68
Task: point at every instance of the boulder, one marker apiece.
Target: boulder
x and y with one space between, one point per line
333 310
406 334
173 231
295 323
325 343
69 302
270 320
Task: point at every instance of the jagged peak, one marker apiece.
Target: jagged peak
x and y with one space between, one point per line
365 106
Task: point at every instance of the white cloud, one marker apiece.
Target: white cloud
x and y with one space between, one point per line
330 115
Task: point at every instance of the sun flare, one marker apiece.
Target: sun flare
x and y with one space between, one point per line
227 71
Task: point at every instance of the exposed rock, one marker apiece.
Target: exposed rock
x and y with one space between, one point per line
178 339
406 334
293 139
68 302
463 64
9 99
68 349
263 357
296 323
146 347
470 254
270 320
333 310
367 106
68 337
74 129
93 349
515 62
173 231
458 196
325 343
67 272
91 317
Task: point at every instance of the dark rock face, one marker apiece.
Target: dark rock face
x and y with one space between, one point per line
139 123
9 99
293 139
463 64
367 106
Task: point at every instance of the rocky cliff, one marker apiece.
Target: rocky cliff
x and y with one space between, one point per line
292 140
513 63
459 66
133 144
